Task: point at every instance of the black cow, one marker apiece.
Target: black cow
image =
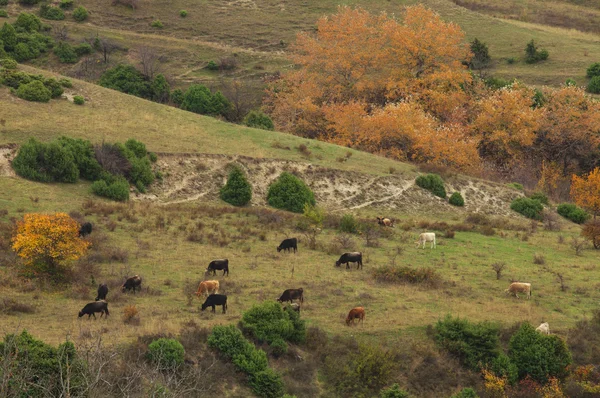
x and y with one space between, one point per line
85 229
218 265
92 308
347 258
132 283
214 300
292 294
102 292
288 244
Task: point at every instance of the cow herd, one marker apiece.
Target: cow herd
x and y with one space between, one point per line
210 288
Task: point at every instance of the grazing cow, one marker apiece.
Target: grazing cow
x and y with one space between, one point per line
135 282
92 308
543 328
357 312
214 300
215 265
293 307
206 287
347 258
386 222
519 287
426 237
85 229
288 244
102 292
292 294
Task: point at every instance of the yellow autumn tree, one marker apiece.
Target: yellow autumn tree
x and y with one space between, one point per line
585 191
46 241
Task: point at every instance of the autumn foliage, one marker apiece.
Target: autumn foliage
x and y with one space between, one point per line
586 191
46 241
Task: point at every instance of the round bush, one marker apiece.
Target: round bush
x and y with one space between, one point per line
432 183
267 383
8 63
65 53
540 196
570 82
80 14
259 120
290 193
594 85
54 86
34 91
530 208
45 162
572 212
456 199
183 13
593 70
349 224
502 366
3 2
115 190
278 347
53 13
166 353
157 24
3 14
237 191
78 100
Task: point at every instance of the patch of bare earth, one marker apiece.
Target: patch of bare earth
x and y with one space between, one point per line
7 154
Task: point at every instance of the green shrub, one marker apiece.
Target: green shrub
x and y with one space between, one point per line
259 120
515 185
199 99
572 212
533 55
570 82
161 91
278 347
83 49
349 224
394 392
65 82
212 65
27 23
78 100
473 344
166 353
137 147
80 14
52 13
530 208
34 91
466 393
432 183
141 174
8 63
8 36
65 53
28 2
269 322
456 199
496 83
593 70
231 343
237 191
23 53
594 85
3 14
540 197
117 189
54 86
177 97
3 2
481 57
183 13
267 383
128 80
398 274
157 24
45 162
290 193
502 366
66 4
539 356
83 156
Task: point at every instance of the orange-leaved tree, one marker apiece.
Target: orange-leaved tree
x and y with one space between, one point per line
46 241
585 191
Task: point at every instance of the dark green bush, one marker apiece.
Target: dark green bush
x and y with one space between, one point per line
177 97
80 14
473 344
161 91
593 70
212 65
3 14
502 366
267 383
84 157
128 80
530 208
465 393
54 86
432 183
45 162
116 189
259 120
533 55
65 82
23 52
572 212
34 91
8 36
231 343
540 197
394 392
3 2
594 85
539 356
456 199
27 23
290 193
78 100
28 2
496 83
166 353
183 13
14 79
269 322
237 191
199 99
157 24
65 53
52 13
66 4
481 56
349 224
138 148
570 82
8 63
83 49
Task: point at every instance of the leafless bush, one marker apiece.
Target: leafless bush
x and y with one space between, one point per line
561 279
304 151
111 225
498 268
61 33
371 232
345 241
189 290
551 221
11 306
279 145
117 254
578 245
150 61
111 159
560 239
131 315
449 234
128 3
539 259
487 230
228 63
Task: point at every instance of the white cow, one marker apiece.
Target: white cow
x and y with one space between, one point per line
519 287
543 328
426 237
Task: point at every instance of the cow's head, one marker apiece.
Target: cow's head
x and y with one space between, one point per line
337 263
81 314
278 249
417 243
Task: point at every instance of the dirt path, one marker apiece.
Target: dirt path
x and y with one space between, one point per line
7 154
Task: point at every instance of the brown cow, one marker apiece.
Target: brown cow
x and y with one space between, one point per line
386 222
207 287
358 312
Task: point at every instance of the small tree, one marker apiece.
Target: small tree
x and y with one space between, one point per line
312 223
591 231
166 353
533 55
394 392
594 85
585 191
237 191
593 70
290 193
481 57
456 199
46 241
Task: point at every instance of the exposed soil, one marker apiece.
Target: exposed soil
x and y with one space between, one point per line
7 154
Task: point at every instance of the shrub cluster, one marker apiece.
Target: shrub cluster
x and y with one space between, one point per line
80 14
572 212
259 120
395 274
45 162
432 183
66 4
78 100
199 99
245 356
269 322
237 191
540 197
530 208
166 353
533 55
128 80
31 87
594 85
22 40
456 199
349 224
290 193
53 13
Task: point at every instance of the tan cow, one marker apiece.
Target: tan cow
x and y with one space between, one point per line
543 328
386 222
207 287
426 237
519 287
